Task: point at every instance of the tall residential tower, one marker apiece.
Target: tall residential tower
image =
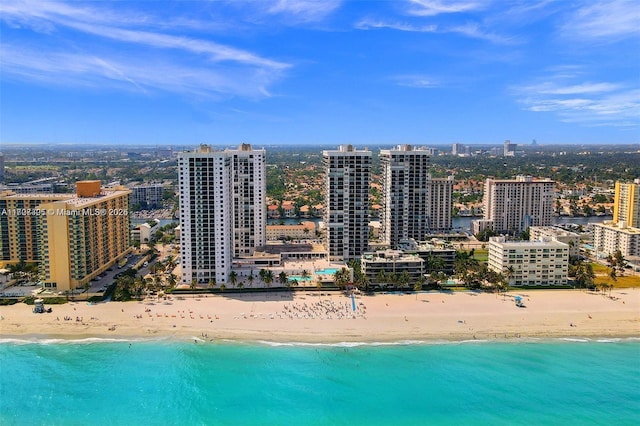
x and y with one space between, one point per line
206 234
626 207
414 205
222 210
513 205
346 216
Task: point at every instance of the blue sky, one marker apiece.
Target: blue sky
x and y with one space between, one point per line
294 72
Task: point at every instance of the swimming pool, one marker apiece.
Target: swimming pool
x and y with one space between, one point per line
327 271
298 278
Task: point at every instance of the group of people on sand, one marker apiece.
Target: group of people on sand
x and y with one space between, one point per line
322 309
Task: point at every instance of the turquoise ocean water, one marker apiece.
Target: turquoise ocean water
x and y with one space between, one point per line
184 383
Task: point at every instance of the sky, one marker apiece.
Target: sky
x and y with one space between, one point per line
423 72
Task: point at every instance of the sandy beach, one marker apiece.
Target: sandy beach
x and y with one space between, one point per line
329 318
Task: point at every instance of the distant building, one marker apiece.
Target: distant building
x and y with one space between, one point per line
142 233
570 238
457 149
530 263
509 149
1 167
305 230
414 205
346 216
609 237
147 196
513 205
626 205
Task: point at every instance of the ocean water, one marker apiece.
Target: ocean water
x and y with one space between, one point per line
186 383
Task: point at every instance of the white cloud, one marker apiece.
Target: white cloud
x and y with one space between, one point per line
587 103
367 24
141 74
150 62
613 19
437 7
304 10
416 81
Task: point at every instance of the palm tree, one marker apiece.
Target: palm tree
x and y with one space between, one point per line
381 277
305 275
171 280
250 279
403 279
417 286
509 273
233 278
212 283
194 283
268 277
282 277
341 277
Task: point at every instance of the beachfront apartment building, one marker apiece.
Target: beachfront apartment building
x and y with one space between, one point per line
513 205
346 187
626 205
222 197
414 205
72 237
609 237
543 262
19 225
205 199
570 238
389 265
83 236
249 189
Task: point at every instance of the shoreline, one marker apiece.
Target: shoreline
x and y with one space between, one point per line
330 319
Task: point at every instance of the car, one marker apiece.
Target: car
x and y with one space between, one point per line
145 264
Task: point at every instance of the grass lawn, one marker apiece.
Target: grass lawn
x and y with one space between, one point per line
481 255
625 281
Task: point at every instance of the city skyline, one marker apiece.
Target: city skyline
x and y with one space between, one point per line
422 72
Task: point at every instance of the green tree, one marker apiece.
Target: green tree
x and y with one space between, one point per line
342 277
233 278
283 278
268 278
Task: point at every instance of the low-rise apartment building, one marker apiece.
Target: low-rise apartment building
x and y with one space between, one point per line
542 262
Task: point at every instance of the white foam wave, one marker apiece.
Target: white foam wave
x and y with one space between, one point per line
572 339
85 341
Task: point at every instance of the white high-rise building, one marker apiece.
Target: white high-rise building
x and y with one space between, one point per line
249 175
346 216
223 211
513 205
413 204
206 200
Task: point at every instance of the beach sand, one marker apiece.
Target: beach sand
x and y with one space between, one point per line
329 318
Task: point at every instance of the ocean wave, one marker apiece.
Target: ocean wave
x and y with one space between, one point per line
83 341
342 344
